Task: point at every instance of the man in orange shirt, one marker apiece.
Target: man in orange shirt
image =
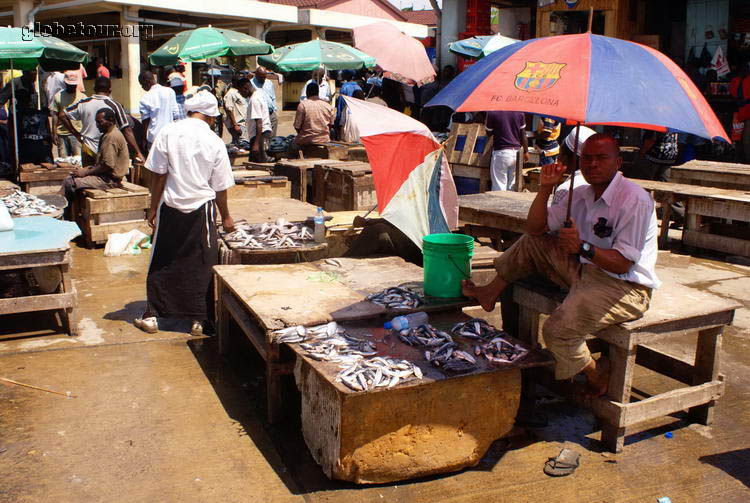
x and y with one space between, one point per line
739 88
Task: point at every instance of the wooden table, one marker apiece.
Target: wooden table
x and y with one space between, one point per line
501 210
702 202
721 175
674 311
35 243
382 435
269 209
264 298
299 172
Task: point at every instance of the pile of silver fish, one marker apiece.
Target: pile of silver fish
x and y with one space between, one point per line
476 328
494 345
278 235
358 370
378 372
396 297
440 350
21 204
500 350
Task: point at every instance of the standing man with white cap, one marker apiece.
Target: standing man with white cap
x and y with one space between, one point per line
567 159
192 175
66 143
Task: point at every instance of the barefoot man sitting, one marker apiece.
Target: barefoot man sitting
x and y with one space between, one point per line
605 259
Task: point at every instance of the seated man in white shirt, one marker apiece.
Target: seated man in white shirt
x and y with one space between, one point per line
605 258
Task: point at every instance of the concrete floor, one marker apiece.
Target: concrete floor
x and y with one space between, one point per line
161 418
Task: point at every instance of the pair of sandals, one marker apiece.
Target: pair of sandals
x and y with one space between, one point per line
150 325
563 464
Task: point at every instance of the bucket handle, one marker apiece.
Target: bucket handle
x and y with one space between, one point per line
466 276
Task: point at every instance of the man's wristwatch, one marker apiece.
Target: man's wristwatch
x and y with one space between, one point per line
586 250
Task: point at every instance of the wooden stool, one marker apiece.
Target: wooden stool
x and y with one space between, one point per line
675 309
101 212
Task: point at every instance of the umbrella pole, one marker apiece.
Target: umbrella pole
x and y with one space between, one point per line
568 223
591 19
38 90
13 111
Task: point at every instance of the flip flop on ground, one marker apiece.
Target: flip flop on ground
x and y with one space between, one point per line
563 464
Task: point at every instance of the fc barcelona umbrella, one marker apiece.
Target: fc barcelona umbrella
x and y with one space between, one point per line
412 177
585 79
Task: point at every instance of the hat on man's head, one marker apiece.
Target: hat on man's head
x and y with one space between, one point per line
176 82
583 135
203 102
70 78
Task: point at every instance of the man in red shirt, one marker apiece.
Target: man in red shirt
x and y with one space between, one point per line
739 88
101 70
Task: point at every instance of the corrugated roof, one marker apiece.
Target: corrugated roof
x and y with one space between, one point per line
426 17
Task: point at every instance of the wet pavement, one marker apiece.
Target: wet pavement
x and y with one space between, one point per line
162 418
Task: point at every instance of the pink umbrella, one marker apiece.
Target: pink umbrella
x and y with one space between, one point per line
401 57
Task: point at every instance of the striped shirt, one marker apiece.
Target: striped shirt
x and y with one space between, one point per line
86 110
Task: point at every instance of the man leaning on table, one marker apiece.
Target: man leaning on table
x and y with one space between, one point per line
605 258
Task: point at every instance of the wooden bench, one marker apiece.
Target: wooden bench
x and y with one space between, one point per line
251 184
103 212
722 175
675 310
43 179
704 207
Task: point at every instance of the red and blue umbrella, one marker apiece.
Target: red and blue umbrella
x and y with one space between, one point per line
585 79
412 178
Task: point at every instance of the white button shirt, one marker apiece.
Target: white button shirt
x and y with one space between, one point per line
196 161
160 105
630 214
561 191
257 108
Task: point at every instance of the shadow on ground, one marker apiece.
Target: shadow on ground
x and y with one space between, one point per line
733 463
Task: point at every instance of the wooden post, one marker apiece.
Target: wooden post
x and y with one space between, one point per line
519 170
706 367
620 379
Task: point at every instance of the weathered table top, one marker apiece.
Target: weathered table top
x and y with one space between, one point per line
684 190
498 209
37 234
388 345
325 290
713 167
268 209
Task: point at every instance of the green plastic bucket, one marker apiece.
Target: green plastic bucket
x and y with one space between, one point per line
447 260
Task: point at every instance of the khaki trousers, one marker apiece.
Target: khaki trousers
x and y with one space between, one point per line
595 299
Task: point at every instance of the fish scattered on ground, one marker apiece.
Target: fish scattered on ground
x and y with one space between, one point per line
278 235
494 344
21 204
440 349
396 297
379 372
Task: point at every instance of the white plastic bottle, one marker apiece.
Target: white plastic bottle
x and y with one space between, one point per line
412 320
320 226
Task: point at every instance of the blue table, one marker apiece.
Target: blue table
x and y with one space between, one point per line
41 244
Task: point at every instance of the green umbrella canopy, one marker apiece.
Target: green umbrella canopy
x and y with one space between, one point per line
202 43
27 51
311 55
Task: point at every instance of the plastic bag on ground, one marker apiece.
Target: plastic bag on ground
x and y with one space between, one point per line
126 243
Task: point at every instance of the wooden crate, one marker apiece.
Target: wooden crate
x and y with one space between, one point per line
333 150
103 212
255 183
344 187
43 179
469 145
299 173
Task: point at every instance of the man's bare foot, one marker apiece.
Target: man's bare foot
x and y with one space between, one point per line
597 376
486 295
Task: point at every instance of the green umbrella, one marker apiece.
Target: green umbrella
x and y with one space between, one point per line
203 43
20 49
314 54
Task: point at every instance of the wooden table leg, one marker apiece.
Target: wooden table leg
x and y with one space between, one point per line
222 317
666 213
70 314
273 384
707 359
620 381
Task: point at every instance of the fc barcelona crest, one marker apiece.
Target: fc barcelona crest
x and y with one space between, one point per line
538 76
